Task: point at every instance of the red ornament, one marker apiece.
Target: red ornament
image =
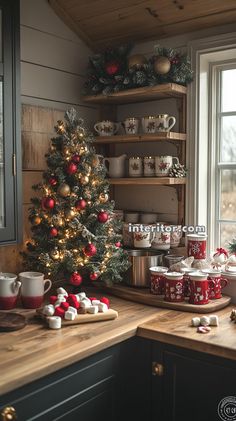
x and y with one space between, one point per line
118 244
112 68
80 204
52 299
93 276
75 279
102 217
52 181
53 232
175 60
105 301
48 203
76 158
90 250
71 168
59 312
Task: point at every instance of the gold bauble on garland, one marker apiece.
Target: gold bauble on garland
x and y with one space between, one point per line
63 190
162 65
103 197
69 214
136 60
55 254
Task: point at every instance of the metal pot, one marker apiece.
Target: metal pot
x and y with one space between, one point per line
141 260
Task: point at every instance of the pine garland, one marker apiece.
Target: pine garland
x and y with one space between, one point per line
108 72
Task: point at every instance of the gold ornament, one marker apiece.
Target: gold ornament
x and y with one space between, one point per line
36 220
136 60
103 197
63 190
83 149
69 214
162 65
55 254
84 180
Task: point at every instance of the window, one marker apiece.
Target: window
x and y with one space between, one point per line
225 153
10 155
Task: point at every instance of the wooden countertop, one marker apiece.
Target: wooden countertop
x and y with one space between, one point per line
36 351
174 328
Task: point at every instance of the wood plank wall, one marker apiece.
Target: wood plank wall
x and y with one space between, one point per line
53 68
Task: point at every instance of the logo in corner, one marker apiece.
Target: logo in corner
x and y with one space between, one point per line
227 408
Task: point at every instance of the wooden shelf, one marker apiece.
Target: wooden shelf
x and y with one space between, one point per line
141 138
147 93
147 181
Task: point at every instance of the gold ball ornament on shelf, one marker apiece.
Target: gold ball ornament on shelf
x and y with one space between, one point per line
162 65
69 214
136 60
63 190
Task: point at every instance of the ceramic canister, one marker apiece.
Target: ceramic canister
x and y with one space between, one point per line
157 279
199 288
174 288
196 246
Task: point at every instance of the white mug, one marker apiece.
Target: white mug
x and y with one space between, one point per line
161 240
175 235
106 128
32 289
149 166
149 124
143 239
163 122
9 288
128 240
163 164
131 125
135 166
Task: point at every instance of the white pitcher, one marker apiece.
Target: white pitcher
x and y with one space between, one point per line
116 166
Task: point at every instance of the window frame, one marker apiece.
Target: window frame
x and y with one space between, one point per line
10 72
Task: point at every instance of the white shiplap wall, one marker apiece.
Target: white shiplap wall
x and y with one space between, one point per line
53 60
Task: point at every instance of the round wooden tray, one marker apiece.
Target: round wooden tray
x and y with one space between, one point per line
11 321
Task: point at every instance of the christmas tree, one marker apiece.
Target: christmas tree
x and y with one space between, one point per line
74 233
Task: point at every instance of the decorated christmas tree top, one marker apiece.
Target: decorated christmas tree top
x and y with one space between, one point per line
74 233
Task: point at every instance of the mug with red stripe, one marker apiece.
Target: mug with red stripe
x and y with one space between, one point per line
9 289
33 289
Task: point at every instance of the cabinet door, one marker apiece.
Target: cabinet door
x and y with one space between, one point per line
192 386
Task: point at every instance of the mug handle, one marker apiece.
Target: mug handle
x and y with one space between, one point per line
175 158
172 124
117 125
50 284
96 127
224 282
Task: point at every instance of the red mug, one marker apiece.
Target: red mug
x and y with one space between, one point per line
216 283
174 287
186 278
158 279
199 288
196 246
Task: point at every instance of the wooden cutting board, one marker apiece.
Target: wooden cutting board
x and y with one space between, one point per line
11 321
84 318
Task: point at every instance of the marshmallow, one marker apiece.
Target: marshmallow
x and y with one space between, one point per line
61 291
72 310
196 321
78 298
214 320
48 310
203 329
61 297
102 307
85 304
54 322
82 295
93 309
205 321
70 315
95 302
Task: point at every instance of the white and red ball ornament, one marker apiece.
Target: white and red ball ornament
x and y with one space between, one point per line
90 250
75 279
102 217
48 203
94 276
220 257
71 168
53 232
80 204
